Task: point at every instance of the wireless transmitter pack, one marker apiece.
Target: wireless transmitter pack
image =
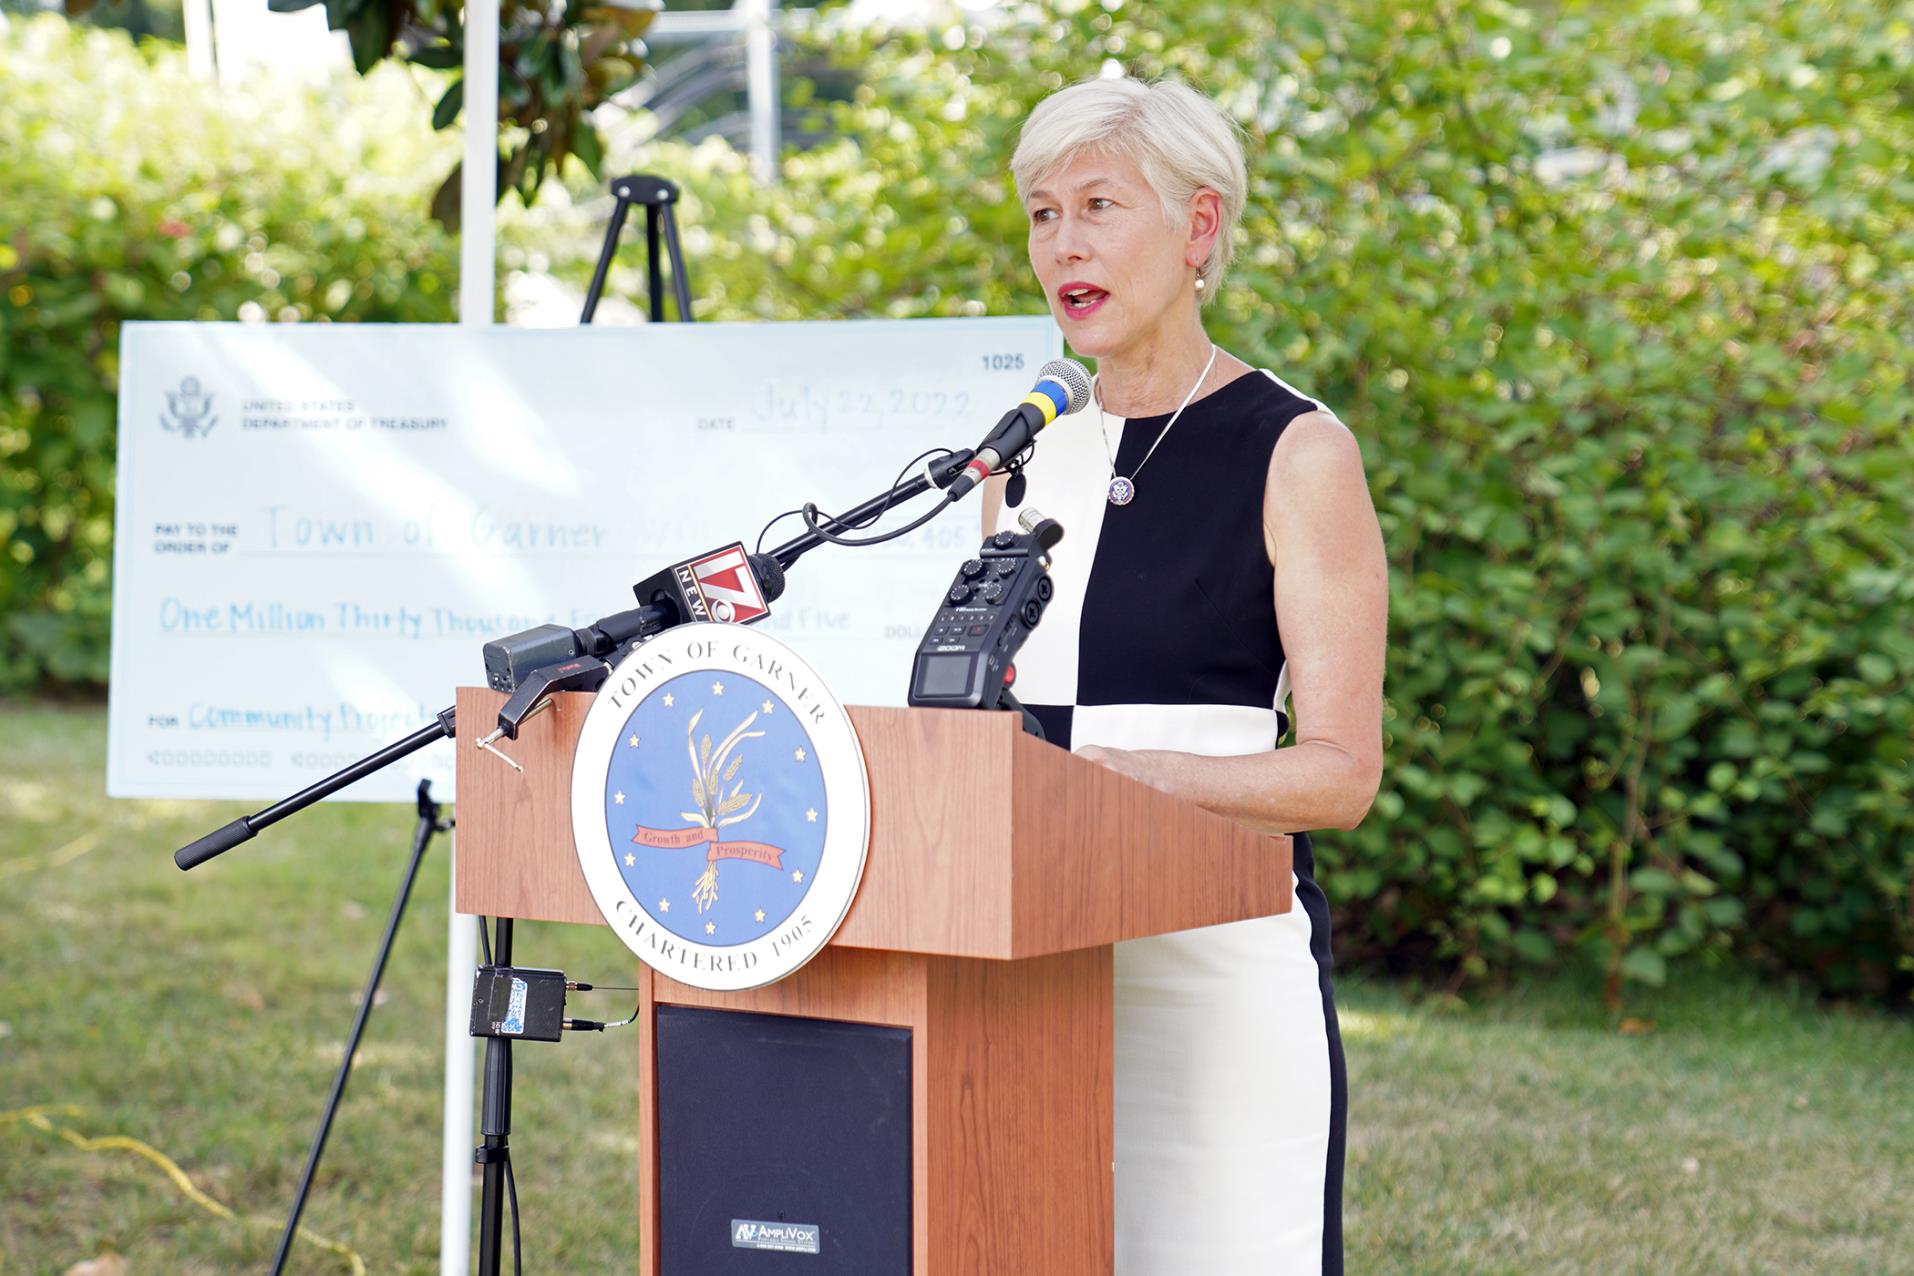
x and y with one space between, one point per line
518 1002
965 658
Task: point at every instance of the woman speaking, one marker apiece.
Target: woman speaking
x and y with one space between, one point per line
1223 563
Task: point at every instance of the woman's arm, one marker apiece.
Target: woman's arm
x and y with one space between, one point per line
1332 608
993 500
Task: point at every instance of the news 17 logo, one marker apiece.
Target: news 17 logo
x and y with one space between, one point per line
723 581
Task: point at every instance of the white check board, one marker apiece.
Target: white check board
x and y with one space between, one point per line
319 527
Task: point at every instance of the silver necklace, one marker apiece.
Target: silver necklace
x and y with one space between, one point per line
1123 490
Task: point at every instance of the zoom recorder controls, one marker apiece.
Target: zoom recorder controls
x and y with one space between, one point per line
997 598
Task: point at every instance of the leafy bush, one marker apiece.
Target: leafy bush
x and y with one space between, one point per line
129 190
1615 298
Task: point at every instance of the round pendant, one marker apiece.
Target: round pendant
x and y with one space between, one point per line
1122 491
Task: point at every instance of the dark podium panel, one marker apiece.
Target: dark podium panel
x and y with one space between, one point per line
801 1124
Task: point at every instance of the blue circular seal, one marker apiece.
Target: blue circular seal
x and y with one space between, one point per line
720 806
716 808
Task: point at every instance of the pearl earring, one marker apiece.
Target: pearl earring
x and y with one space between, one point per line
1199 283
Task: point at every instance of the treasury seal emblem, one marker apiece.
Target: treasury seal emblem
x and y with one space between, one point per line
189 410
720 807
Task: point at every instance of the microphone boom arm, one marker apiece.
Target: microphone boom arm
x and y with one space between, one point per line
599 638
244 829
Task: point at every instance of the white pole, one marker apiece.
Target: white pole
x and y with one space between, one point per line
461 1057
478 200
198 18
478 195
761 78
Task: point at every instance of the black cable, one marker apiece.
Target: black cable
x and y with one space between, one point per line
876 514
768 526
594 1025
921 458
485 942
810 515
511 1191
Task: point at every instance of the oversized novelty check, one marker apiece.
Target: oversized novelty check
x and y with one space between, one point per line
320 526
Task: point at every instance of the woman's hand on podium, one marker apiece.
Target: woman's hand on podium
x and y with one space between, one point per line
1138 764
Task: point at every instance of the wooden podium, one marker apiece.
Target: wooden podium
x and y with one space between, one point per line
1001 870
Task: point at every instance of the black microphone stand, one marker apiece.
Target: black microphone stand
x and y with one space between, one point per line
494 1155
611 630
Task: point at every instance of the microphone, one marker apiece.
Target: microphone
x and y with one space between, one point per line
1062 387
725 585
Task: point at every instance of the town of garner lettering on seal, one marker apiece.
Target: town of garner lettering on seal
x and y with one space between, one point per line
720 807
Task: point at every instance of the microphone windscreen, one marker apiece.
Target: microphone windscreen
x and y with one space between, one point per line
1069 374
770 575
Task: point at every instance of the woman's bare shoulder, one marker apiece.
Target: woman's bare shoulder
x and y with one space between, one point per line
1315 447
1315 480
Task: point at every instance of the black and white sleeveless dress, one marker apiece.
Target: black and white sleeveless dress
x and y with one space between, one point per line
1230 1090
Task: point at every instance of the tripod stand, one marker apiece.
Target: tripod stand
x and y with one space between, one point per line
658 196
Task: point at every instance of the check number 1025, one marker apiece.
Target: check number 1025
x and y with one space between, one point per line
1003 362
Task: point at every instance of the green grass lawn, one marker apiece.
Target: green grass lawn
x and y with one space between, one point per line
201 1015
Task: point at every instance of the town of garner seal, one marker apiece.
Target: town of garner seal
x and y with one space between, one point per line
720 807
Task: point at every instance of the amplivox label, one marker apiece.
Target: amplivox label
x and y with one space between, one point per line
789 1238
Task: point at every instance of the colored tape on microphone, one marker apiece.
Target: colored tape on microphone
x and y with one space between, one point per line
1048 398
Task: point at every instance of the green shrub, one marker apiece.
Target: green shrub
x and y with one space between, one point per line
1616 299
129 190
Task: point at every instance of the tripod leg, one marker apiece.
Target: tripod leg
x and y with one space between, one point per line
654 277
680 281
421 838
605 254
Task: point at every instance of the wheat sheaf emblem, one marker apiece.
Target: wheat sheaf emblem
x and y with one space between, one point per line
712 768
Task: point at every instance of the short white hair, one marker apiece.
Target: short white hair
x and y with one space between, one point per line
1180 139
